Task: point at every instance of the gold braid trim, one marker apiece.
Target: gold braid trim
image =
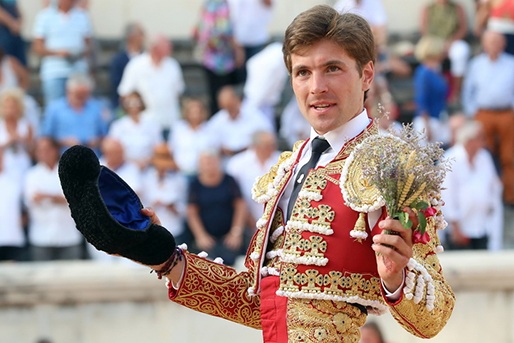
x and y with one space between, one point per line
218 290
261 186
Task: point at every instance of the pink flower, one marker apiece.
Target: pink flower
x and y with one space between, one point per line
418 237
429 212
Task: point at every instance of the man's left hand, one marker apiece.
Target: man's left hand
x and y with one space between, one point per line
393 249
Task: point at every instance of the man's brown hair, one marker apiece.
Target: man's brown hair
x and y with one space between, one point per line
350 31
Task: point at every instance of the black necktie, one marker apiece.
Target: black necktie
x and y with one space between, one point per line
319 146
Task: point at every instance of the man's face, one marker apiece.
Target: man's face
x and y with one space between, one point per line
266 146
46 152
328 86
79 94
493 43
230 102
66 4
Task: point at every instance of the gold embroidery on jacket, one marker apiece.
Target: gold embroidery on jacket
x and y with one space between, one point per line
323 321
217 290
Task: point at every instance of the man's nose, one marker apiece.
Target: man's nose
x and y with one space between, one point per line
318 83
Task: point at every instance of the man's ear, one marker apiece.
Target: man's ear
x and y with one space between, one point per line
368 74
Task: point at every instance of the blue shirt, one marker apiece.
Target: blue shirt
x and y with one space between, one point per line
61 121
431 90
488 84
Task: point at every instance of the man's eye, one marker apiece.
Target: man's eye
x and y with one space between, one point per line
301 73
333 68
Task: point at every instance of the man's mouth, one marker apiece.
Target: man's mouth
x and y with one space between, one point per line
321 106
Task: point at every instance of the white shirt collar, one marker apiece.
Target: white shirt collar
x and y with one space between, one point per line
338 137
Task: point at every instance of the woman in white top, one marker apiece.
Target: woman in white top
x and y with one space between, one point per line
12 238
190 136
138 133
16 132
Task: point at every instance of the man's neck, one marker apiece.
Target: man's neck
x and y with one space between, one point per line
65 9
77 105
156 59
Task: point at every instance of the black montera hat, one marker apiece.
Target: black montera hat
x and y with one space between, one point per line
108 212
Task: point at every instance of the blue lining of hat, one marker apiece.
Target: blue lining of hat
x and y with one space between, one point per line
121 201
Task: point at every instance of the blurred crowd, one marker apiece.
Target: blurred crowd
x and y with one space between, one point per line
194 159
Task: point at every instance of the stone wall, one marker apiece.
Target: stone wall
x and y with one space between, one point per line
89 302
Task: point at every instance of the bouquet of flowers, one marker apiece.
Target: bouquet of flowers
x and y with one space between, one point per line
397 171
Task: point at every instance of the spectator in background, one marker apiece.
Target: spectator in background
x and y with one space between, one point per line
12 237
216 48
216 211
138 133
16 131
11 24
190 136
113 157
251 19
472 193
488 96
498 16
13 73
455 122
52 232
266 78
248 165
234 125
165 191
374 13
62 38
134 39
158 78
430 88
77 118
446 19
293 126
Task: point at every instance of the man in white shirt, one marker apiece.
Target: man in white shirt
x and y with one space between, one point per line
488 97
158 78
472 193
232 127
52 232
